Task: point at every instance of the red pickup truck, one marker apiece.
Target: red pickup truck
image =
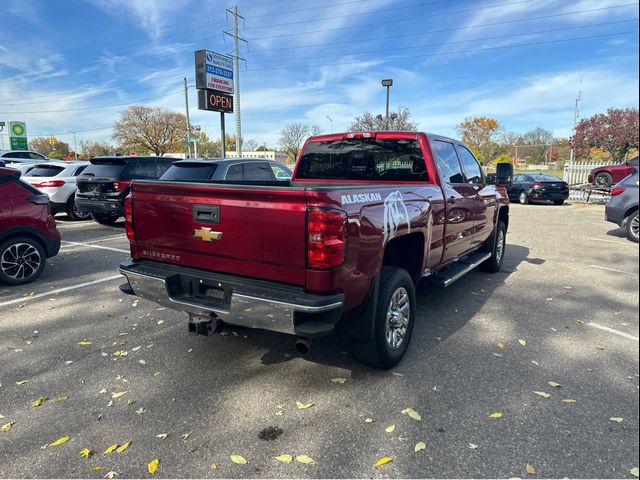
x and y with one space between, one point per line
363 219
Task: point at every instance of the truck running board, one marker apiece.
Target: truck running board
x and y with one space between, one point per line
450 274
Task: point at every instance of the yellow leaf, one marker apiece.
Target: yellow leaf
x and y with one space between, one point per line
368 420
123 447
383 461
96 468
110 449
59 441
390 428
568 400
412 413
634 471
472 446
162 436
117 394
500 345
21 382
85 343
39 401
495 415
239 459
554 384
530 469
419 446
302 406
153 466
86 453
214 466
307 460
6 427
522 342
284 458
339 380
542 394
616 419
62 398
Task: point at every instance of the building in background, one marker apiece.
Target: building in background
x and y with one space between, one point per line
266 154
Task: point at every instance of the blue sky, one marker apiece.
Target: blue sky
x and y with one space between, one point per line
74 65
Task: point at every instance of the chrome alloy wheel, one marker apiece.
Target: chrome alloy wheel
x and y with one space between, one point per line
500 246
398 316
20 261
634 226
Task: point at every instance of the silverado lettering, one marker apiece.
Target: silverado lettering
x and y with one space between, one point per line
365 217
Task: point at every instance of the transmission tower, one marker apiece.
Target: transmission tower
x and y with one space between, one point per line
236 73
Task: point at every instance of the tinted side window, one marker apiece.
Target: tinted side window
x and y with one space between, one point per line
36 156
79 170
162 166
471 166
257 171
447 160
234 172
144 169
279 172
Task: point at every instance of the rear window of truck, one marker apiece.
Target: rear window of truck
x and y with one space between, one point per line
363 159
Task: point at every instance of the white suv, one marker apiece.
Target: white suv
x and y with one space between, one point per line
58 180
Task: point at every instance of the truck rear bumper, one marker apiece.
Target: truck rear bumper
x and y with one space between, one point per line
235 300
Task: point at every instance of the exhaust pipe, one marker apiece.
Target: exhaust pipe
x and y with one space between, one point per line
303 345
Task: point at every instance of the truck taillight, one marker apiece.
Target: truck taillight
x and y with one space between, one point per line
326 239
128 218
49 184
616 191
119 185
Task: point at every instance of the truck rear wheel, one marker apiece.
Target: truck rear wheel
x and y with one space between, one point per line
393 321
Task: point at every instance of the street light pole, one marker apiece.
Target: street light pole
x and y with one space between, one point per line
387 83
330 124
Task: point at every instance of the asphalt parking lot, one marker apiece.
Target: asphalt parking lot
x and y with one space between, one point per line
564 310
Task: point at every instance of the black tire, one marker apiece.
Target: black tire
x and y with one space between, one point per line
396 288
523 198
603 179
632 227
558 202
72 211
22 260
497 245
104 218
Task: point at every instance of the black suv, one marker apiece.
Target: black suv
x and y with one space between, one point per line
104 184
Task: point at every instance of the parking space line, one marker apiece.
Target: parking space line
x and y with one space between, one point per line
107 239
613 270
613 330
89 245
59 290
629 244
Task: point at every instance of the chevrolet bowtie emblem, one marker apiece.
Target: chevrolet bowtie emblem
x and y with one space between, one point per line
206 234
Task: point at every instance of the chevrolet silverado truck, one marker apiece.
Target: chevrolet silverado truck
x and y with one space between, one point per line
365 216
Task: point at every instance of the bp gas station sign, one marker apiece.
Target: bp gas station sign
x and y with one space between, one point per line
18 136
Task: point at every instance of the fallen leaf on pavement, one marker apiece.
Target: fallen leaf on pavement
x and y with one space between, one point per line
397 374
522 342
535 363
214 466
110 449
85 343
86 453
153 466
118 394
495 415
307 460
59 441
383 461
500 345
123 447
542 394
302 406
338 380
530 469
6 427
419 446
368 420
162 435
185 435
390 428
568 400
239 459
412 413
111 474
62 398
616 419
555 384
39 401
284 458
141 410
600 347
21 382
634 471
96 468
472 446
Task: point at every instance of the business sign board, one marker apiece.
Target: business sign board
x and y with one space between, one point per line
215 101
18 136
214 71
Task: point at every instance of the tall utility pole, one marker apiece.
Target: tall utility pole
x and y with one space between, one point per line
387 83
186 106
576 117
236 74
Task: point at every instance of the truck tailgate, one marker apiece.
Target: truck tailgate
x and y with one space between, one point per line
252 231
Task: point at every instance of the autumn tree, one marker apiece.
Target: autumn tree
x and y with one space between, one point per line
399 120
293 136
616 132
151 128
50 146
89 149
480 134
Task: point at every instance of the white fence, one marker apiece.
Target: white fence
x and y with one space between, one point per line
575 174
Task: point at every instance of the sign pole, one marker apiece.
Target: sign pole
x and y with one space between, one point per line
223 135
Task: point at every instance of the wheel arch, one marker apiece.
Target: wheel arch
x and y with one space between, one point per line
28 232
406 252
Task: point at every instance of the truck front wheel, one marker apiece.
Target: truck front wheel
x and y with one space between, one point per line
393 321
496 244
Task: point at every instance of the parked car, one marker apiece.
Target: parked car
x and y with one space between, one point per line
364 218
22 155
608 175
229 169
622 208
528 187
58 180
103 185
28 233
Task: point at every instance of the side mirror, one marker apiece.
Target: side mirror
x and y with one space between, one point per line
490 179
504 174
